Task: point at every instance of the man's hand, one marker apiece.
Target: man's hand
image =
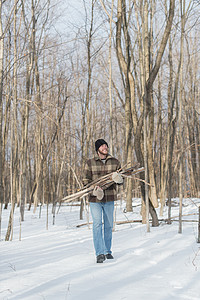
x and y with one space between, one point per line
98 192
117 178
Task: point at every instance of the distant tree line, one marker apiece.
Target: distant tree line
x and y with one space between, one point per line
128 71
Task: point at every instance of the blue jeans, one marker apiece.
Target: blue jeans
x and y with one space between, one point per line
102 235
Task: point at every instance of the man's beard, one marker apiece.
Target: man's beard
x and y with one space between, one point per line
101 152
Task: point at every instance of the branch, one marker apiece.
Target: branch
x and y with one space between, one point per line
163 44
107 12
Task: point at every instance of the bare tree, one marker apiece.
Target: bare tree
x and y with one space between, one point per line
180 119
125 64
1 112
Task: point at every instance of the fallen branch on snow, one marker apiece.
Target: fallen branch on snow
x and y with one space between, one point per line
137 221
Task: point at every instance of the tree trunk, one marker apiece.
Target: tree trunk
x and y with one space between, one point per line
1 113
182 9
124 63
110 82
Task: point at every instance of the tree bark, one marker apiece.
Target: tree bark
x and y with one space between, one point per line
124 63
1 113
182 9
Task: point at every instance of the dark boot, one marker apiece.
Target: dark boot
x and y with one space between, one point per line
109 256
100 258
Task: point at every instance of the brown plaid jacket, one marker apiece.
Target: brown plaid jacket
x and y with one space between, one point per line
94 169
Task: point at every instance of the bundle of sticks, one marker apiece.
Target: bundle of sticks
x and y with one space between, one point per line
103 182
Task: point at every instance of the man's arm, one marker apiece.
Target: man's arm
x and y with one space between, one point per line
87 173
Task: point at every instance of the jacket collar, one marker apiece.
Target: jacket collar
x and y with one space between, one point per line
98 158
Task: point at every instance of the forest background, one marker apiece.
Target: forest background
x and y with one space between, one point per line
70 73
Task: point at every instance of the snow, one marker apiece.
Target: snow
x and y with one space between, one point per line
59 263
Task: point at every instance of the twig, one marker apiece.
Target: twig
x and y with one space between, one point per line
195 256
7 290
127 176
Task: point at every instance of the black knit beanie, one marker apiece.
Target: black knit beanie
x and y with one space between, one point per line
99 143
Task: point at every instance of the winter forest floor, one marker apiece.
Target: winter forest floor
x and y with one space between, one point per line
59 263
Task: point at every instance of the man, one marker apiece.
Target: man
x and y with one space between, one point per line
102 201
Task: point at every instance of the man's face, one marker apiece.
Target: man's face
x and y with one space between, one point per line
103 149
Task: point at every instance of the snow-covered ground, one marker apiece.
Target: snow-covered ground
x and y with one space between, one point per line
59 263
